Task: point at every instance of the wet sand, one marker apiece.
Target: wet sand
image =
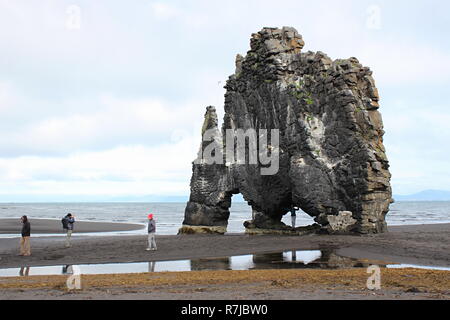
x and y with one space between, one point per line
427 245
48 226
421 245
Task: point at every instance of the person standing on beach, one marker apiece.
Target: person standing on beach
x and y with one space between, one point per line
25 247
293 216
68 222
24 271
151 233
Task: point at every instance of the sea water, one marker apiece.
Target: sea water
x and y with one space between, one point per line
169 216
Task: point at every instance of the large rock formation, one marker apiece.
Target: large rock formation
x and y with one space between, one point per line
332 162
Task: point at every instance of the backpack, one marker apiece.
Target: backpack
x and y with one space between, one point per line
65 223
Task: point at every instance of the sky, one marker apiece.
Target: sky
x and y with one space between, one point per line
107 97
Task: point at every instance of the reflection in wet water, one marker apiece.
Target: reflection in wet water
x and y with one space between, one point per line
315 259
324 259
24 271
211 264
67 269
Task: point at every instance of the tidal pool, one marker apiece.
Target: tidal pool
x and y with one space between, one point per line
304 259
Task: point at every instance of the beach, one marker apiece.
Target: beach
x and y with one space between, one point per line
50 226
426 245
405 284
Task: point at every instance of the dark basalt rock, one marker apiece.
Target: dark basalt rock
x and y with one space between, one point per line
332 162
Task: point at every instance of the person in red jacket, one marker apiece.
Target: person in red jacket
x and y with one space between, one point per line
151 233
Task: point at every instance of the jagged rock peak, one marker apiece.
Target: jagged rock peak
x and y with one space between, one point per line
211 120
272 41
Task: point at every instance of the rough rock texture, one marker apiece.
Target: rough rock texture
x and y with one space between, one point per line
332 160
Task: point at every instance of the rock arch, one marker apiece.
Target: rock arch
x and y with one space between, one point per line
332 162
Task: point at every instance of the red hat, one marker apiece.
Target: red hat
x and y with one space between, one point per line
150 216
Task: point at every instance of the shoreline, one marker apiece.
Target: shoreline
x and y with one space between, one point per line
45 227
427 245
9 226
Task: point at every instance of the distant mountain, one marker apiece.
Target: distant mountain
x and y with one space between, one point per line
426 195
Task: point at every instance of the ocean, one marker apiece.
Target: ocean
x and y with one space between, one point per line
169 216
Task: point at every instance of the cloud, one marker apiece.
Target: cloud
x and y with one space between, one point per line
416 140
164 11
185 15
122 170
78 107
401 63
7 99
107 123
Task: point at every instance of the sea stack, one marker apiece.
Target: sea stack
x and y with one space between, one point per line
332 162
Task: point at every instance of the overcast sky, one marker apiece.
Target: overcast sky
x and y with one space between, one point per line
107 97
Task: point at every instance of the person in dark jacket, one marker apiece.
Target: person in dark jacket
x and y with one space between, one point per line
151 233
25 248
68 227
293 215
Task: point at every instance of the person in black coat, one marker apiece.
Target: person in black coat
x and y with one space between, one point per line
68 222
25 247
